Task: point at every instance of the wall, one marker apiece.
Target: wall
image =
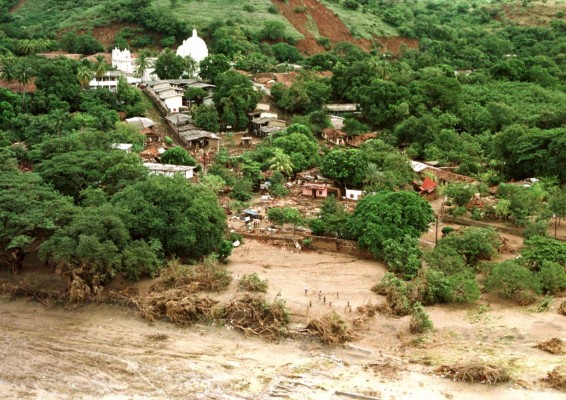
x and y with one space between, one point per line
318 243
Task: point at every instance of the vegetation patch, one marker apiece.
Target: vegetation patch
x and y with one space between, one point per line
475 372
252 283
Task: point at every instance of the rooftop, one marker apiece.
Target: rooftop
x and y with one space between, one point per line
167 167
196 134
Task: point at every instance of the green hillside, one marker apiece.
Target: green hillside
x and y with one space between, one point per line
48 18
247 14
362 24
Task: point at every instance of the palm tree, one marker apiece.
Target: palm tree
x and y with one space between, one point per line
374 177
281 162
26 47
142 64
84 76
23 75
100 66
58 116
8 68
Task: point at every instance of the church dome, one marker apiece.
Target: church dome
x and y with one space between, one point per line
194 47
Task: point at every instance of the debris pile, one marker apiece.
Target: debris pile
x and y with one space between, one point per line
178 307
553 346
557 378
475 372
255 316
331 329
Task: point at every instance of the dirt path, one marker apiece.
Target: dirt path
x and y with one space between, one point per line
108 352
314 22
17 6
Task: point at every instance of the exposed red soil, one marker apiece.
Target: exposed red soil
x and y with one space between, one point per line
15 86
395 45
328 25
107 34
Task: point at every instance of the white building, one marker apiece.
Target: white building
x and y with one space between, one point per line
170 169
193 47
353 194
122 60
110 80
125 61
173 101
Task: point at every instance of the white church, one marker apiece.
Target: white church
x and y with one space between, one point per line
125 63
193 47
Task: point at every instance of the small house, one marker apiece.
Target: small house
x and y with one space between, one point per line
170 170
314 190
266 126
354 194
198 138
173 101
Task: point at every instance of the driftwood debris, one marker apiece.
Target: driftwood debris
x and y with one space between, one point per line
355 395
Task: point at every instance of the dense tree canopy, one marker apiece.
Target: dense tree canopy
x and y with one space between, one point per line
389 216
186 219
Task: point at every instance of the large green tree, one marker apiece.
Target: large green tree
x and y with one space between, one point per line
186 219
345 166
234 97
169 65
212 66
389 216
30 211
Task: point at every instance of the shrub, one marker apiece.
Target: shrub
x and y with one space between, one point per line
464 287
447 230
473 243
278 190
552 277
272 10
538 228
282 215
403 257
420 321
459 193
168 41
253 283
351 4
539 249
249 8
225 251
242 190
512 280
446 259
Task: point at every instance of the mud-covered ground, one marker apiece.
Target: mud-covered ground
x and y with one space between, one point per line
104 351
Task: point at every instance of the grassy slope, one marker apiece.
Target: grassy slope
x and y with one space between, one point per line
201 13
36 14
362 25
